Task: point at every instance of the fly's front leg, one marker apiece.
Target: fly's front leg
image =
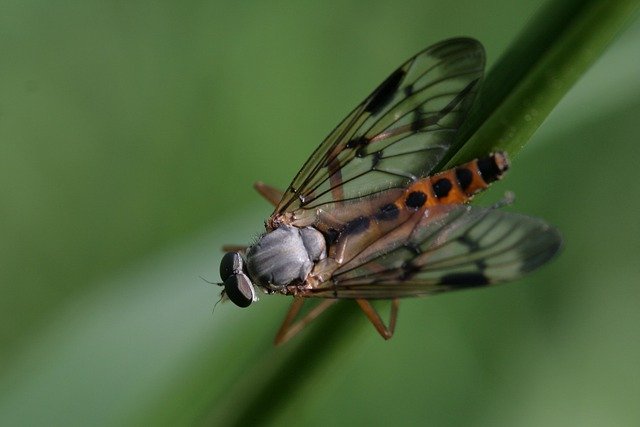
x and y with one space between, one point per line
290 328
273 195
374 317
234 248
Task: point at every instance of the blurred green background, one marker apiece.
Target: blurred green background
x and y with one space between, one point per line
130 135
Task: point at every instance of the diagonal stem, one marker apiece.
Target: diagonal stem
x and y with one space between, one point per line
551 54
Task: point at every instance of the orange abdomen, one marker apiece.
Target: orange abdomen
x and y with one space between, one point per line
457 185
453 186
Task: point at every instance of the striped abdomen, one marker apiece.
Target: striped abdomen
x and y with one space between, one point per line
379 217
456 185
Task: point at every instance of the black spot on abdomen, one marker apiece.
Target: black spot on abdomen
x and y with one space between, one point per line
415 199
489 170
442 187
464 177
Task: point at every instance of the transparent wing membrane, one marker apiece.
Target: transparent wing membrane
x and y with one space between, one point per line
398 134
451 247
388 223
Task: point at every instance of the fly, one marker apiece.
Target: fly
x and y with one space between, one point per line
370 217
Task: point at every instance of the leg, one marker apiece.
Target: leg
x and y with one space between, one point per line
374 317
272 195
269 193
289 328
234 248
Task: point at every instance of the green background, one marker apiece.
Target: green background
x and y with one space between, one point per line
130 135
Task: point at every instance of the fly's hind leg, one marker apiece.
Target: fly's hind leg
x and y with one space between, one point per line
273 195
374 317
290 328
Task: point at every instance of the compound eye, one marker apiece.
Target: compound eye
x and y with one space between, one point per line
239 289
230 264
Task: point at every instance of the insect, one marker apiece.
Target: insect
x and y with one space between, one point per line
370 216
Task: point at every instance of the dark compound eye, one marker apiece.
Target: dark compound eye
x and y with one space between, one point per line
239 289
231 264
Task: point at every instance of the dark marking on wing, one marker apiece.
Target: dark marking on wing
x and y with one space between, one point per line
470 243
408 270
417 123
407 125
357 225
466 247
387 212
465 280
358 142
385 92
408 91
332 235
375 159
415 199
414 248
442 187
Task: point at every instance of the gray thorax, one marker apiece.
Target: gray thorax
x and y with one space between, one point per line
285 255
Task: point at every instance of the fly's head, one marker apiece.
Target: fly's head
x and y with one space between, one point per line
237 284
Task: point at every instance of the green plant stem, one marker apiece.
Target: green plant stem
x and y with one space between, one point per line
538 69
555 49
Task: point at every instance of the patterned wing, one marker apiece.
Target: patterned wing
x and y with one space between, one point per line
398 134
449 247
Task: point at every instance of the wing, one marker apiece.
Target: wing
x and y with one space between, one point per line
450 247
398 134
